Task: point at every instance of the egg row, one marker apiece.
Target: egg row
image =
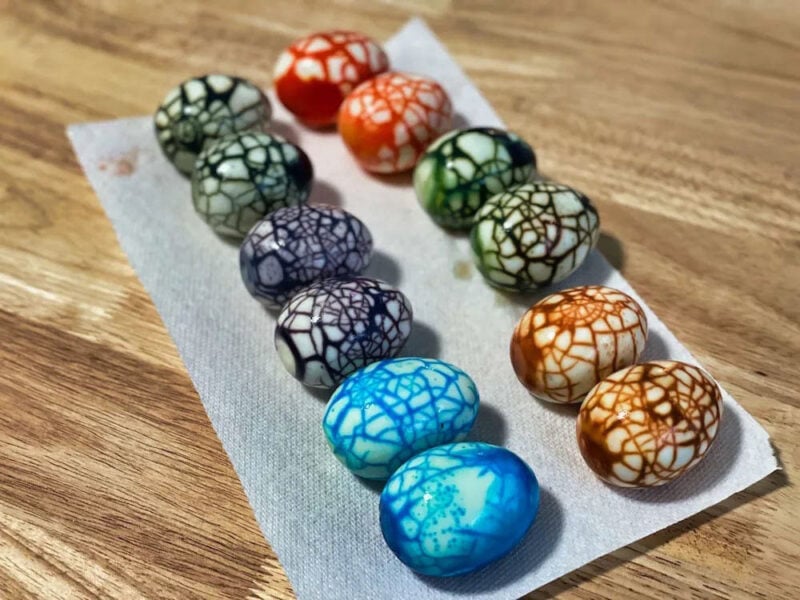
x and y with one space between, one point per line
639 425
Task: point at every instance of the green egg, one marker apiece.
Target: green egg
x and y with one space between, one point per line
462 169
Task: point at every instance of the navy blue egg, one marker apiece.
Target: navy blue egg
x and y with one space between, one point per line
334 327
392 409
293 247
456 508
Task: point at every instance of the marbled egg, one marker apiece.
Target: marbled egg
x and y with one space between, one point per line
462 169
204 109
295 246
453 509
392 409
388 121
336 326
650 423
568 341
315 73
533 235
239 179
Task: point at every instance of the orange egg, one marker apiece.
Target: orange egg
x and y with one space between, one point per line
314 74
570 340
389 121
650 423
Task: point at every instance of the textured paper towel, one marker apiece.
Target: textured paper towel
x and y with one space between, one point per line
322 521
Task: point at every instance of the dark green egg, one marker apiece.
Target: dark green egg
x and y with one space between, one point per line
464 168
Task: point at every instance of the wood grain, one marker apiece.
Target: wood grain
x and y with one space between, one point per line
679 118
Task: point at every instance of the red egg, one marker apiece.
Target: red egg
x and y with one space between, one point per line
314 74
389 121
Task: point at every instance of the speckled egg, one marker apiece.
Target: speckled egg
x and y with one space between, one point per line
453 509
204 109
462 169
314 74
533 235
568 341
336 326
239 179
388 121
390 410
648 424
295 246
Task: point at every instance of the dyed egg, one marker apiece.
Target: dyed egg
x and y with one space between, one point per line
295 246
569 341
533 235
650 423
387 122
336 326
453 509
463 168
314 74
205 109
239 179
390 410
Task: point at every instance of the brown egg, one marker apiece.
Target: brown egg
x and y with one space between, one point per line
569 341
650 423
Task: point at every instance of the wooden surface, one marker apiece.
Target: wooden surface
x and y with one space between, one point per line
680 118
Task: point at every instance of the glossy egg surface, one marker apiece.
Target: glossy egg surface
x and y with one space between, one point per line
388 121
453 509
314 74
336 326
533 235
568 341
648 424
243 177
464 168
392 409
295 246
204 109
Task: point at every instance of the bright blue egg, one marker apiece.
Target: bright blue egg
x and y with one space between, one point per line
453 509
390 410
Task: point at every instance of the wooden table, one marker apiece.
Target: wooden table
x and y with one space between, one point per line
681 119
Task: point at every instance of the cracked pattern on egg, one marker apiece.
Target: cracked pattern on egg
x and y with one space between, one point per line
648 424
240 178
462 169
392 409
336 326
568 341
293 247
314 74
533 235
207 108
455 508
387 122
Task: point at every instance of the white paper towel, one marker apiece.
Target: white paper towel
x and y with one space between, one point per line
323 522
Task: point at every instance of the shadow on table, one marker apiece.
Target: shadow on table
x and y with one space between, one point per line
490 426
706 474
534 549
601 566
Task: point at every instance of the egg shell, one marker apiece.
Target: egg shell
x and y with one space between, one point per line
650 423
388 121
203 109
392 409
462 169
336 326
315 73
568 341
455 508
243 177
533 235
295 246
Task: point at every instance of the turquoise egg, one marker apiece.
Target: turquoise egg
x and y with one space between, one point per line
390 410
456 508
